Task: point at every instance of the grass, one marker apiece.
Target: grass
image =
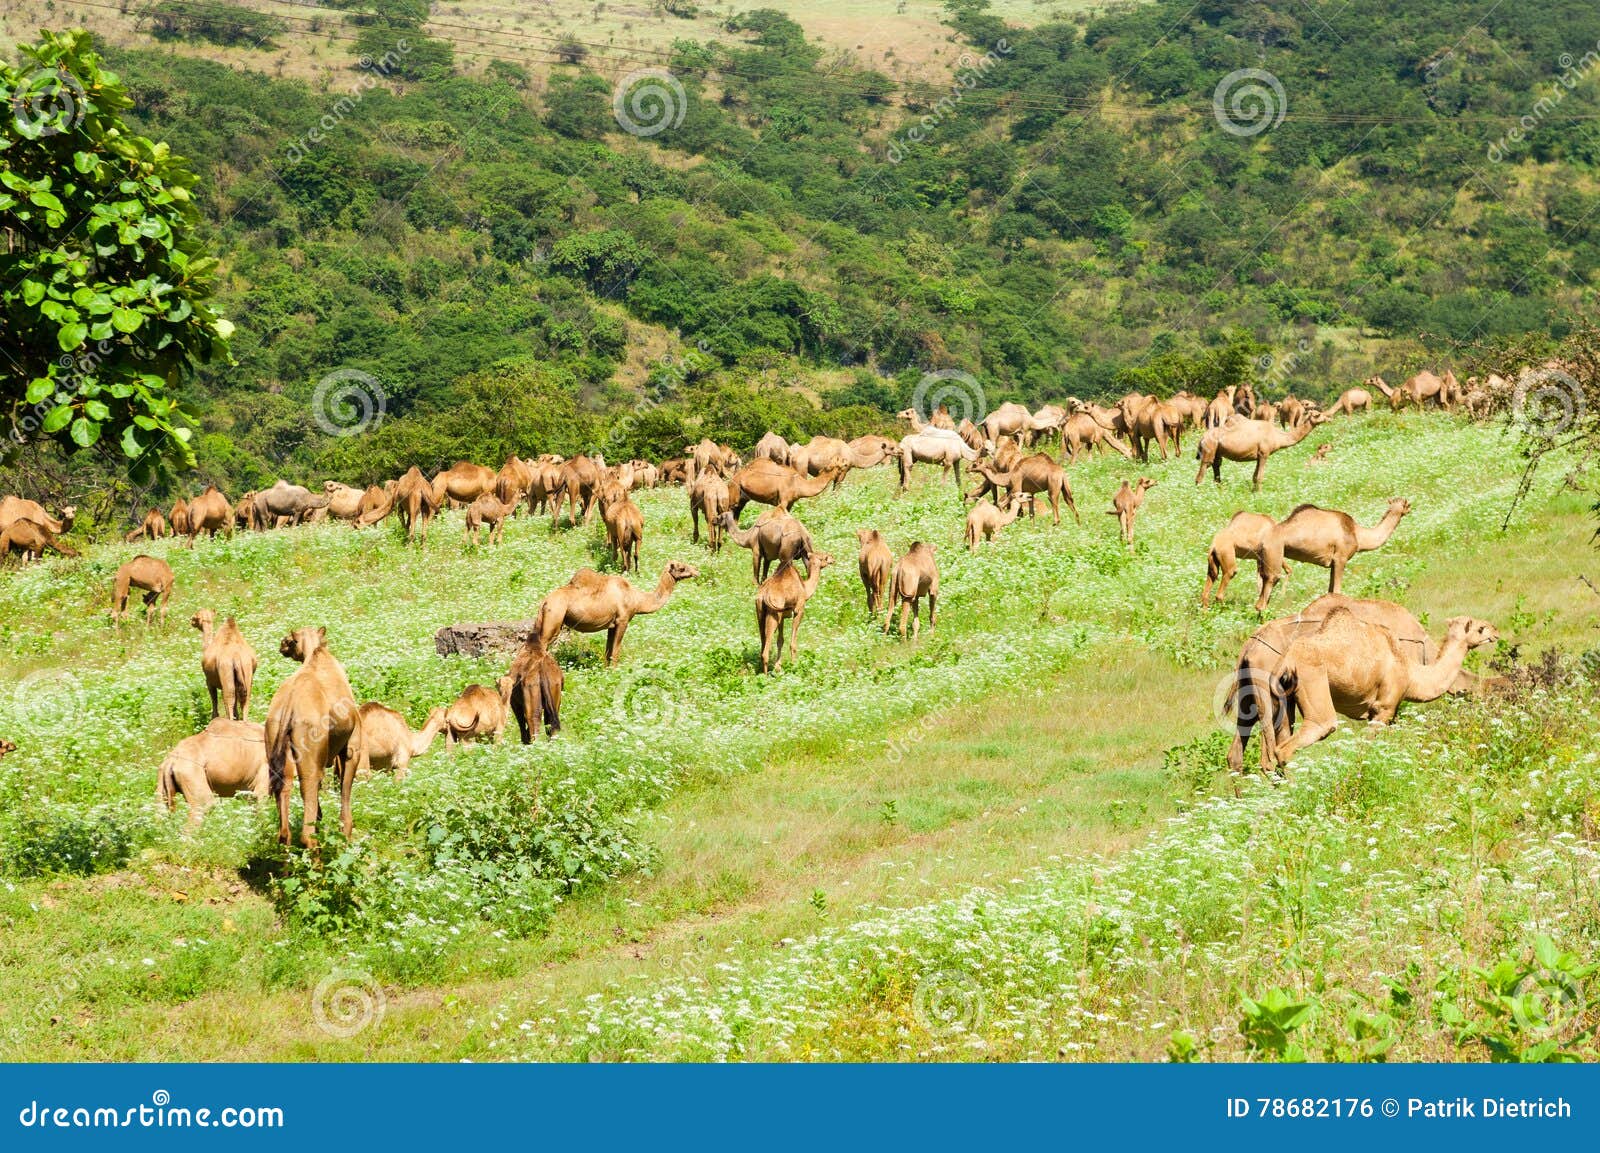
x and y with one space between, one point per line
707 816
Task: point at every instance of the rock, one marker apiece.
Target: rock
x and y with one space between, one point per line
474 640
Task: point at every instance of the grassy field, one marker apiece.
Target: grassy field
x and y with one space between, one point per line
839 860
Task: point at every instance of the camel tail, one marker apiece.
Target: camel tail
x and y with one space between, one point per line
278 755
167 788
1281 688
550 699
1213 564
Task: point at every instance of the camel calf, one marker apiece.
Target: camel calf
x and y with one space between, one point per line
148 573
987 519
784 595
477 713
1125 505
1244 536
487 511
153 527
915 577
227 758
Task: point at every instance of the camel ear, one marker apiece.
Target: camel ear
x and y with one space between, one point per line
322 634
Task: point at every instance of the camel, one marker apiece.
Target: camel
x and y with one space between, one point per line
673 471
1220 410
244 511
1324 537
313 725
1244 439
971 435
590 603
284 503
461 483
987 519
1353 668
1148 419
645 474
15 508
153 576
1267 410
1421 388
226 758
178 518
827 453
228 662
377 502
771 447
487 511
708 497
708 454
32 540
7 747
532 689
875 563
579 485
390 743
767 482
208 514
1353 400
1008 420
624 526
776 537
544 482
1292 410
1049 419
1125 505
782 596
1243 537
1320 455
1244 401
345 502
1191 406
1081 430
1040 473
477 713
915 577
933 446
513 480
413 499
153 527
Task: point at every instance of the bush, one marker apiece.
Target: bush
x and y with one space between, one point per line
75 843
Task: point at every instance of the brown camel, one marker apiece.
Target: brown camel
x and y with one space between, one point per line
1081 430
1324 537
244 511
32 540
1320 455
776 538
413 499
645 474
477 713
708 455
1191 406
624 526
313 725
1353 668
767 482
153 527
344 501
226 758
771 447
532 689
1421 388
830 454
284 504
876 564
209 514
1292 410
1220 410
1242 538
390 743
1244 439
915 577
1244 400
15 508
178 518
153 576
673 471
784 595
544 482
1267 410
1125 505
1040 473
228 662
579 486
987 519
377 502
1149 420
513 480
462 483
1008 420
592 603
708 497
487 511
1352 401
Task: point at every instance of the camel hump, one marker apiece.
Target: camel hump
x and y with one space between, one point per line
1300 508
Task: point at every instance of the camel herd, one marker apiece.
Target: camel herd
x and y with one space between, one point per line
1338 657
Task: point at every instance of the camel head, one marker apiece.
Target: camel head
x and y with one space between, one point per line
1478 634
908 414
1399 505
7 747
1145 482
68 511
820 560
300 644
866 536
203 619
679 571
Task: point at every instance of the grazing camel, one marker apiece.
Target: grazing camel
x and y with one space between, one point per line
244 511
708 454
1040 473
178 518
1419 390
673 471
1242 538
377 502
462 483
1324 537
313 725
708 497
413 499
1220 410
544 482
1008 420
513 480
226 758
1084 430
578 485
228 662
283 504
1243 439
153 527
150 574
784 595
624 526
532 688
1192 407
591 603
487 511
1353 400
645 474
1357 669
477 713
767 482
32 540
208 514
16 508
876 564
830 454
776 538
1292 410
987 519
344 501
1125 505
390 744
1147 420
771 447
915 577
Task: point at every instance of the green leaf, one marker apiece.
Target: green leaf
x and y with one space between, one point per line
39 388
126 319
130 442
56 419
97 410
71 336
32 292
85 432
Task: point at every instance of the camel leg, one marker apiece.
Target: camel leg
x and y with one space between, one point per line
1336 574
764 629
212 689
283 802
614 641
794 635
1201 475
933 610
1261 466
348 764
1270 570
310 797
1072 505
1055 508
916 618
